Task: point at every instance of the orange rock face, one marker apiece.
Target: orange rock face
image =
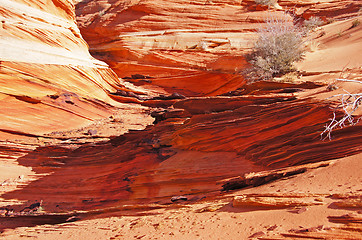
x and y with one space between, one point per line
49 81
180 63
178 157
183 46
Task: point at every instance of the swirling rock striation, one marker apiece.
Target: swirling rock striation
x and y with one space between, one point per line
49 81
182 58
190 47
171 159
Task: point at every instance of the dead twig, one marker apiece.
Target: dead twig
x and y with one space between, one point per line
349 103
348 80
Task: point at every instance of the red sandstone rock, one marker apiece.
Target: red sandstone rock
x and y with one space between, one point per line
49 81
192 48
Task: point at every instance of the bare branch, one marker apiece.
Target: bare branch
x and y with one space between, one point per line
349 103
348 80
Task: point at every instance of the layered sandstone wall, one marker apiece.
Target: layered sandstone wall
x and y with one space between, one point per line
210 134
48 80
178 43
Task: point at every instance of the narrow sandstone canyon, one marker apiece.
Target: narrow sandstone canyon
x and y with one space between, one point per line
135 108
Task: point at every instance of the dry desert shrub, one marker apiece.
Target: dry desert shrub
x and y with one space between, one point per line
312 45
290 77
266 2
279 45
312 23
355 23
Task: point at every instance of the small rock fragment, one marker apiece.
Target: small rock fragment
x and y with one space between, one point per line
257 234
139 76
165 153
178 198
272 228
92 132
301 210
320 227
32 207
177 95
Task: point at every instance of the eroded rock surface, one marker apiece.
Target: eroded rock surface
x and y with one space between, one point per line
180 63
49 81
180 156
